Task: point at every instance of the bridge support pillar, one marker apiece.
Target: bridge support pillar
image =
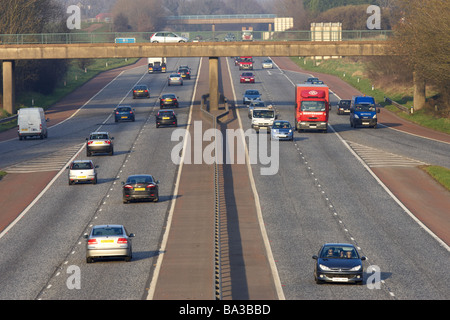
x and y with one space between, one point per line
9 94
213 83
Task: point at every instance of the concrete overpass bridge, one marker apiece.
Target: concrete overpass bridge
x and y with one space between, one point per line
11 52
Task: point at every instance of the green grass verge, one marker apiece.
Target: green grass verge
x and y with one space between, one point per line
74 78
353 73
440 174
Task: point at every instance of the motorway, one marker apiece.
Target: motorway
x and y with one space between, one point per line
321 191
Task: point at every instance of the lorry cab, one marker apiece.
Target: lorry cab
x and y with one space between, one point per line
31 122
363 112
311 107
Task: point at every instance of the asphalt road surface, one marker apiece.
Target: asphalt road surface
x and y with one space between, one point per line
321 191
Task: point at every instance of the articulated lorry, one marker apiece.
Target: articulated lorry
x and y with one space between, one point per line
156 65
312 107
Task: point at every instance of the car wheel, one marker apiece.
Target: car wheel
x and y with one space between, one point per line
111 152
128 258
125 201
94 181
88 153
89 260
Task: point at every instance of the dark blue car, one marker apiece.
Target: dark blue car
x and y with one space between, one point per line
251 95
124 113
338 262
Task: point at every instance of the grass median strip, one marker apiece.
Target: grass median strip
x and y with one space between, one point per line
440 174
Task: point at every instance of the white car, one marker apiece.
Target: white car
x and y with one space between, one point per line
167 37
267 64
82 171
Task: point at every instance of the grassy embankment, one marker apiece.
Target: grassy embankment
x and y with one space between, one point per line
353 73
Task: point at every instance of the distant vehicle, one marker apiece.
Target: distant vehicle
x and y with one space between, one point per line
141 90
311 107
316 82
175 78
282 130
122 113
184 73
245 63
247 35
168 100
99 142
247 77
311 79
185 66
251 95
156 65
230 37
338 262
267 64
363 112
31 122
82 171
108 241
166 117
343 106
140 187
167 36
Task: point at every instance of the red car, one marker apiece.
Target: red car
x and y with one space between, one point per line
247 77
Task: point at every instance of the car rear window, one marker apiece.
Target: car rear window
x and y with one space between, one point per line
140 179
82 165
107 231
99 136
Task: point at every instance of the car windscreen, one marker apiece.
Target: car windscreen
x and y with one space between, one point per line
342 252
365 107
266 114
281 125
313 106
252 93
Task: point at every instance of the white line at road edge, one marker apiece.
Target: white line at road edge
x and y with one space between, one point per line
270 257
151 290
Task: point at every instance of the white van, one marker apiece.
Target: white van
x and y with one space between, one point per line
31 122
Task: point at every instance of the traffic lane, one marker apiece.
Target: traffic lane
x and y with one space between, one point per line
332 160
41 269
345 91
86 120
394 141
145 219
64 108
116 279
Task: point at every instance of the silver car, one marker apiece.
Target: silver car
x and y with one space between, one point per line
106 241
99 142
82 171
175 78
167 36
267 64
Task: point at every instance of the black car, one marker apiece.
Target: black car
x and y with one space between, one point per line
168 100
141 90
140 187
343 107
124 113
338 262
311 80
166 117
184 73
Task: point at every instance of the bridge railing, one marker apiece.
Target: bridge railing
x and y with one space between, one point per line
195 36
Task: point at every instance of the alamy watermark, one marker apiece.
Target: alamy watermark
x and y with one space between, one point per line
374 21
228 148
74 20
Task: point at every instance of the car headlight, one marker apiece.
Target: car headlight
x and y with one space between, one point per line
374 117
290 130
325 268
356 268
356 116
